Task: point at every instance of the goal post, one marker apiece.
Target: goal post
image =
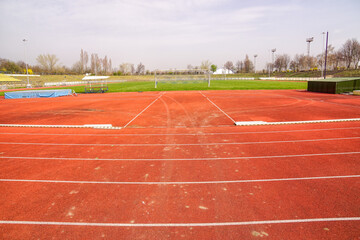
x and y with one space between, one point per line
181 76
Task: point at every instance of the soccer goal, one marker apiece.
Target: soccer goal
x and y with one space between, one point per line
182 76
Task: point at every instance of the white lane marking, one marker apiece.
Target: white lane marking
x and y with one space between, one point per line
143 110
177 134
261 123
179 159
181 183
211 224
174 144
217 107
95 126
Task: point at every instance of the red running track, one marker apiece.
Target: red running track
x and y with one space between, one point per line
181 169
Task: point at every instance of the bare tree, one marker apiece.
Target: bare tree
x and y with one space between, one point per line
140 69
356 53
84 58
248 65
229 65
77 67
126 68
293 66
41 59
105 65
348 51
93 63
282 62
301 62
98 65
205 65
47 61
239 66
132 69
110 66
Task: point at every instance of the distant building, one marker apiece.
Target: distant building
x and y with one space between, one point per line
223 71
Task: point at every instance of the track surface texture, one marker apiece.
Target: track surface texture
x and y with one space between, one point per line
179 168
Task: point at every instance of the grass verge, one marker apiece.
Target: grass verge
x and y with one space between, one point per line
145 86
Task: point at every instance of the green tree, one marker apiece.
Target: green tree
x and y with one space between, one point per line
213 68
11 67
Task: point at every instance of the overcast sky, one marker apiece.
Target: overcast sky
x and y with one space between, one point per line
164 34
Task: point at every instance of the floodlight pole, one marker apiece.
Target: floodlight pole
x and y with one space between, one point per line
272 63
309 40
255 56
27 70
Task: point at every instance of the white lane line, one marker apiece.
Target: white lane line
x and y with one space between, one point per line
174 144
143 110
181 159
211 224
176 134
180 183
218 107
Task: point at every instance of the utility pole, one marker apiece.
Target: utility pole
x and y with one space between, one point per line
326 49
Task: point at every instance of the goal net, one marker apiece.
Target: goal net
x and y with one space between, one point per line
182 76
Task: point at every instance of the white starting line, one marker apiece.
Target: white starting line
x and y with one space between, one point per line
211 224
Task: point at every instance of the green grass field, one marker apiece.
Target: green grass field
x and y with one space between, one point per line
144 86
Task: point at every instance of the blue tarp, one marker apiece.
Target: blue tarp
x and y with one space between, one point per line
38 94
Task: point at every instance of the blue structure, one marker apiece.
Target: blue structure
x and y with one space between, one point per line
38 94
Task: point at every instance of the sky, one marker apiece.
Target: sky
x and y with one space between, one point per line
171 34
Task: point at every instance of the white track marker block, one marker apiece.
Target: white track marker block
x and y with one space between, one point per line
98 126
248 123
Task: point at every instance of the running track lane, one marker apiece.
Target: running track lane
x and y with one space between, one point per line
220 197
290 200
220 203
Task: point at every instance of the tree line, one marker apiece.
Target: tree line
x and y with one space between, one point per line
346 57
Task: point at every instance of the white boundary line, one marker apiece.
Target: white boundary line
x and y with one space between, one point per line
175 134
179 159
143 110
175 144
218 107
180 183
216 224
